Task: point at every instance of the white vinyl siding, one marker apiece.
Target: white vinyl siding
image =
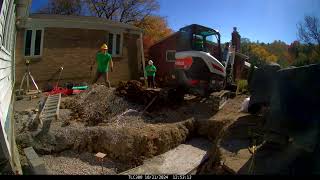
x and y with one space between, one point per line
7 43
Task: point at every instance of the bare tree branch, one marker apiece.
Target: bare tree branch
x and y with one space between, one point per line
62 7
309 32
123 10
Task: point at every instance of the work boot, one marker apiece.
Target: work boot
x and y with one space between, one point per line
108 84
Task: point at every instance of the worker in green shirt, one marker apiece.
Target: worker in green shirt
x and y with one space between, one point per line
151 74
104 61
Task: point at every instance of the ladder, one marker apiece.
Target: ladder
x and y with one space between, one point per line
50 112
230 58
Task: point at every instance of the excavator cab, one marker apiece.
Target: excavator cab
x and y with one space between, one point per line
199 38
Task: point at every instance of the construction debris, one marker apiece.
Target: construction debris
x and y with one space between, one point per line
102 121
133 91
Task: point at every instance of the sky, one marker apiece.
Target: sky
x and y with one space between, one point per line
263 20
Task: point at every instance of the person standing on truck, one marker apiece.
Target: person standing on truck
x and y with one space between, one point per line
104 61
151 74
236 39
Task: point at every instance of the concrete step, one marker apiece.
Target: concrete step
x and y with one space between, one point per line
35 162
181 160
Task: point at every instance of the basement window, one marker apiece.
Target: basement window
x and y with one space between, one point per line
115 44
171 55
33 42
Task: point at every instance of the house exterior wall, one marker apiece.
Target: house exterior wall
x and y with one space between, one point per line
7 79
75 50
158 51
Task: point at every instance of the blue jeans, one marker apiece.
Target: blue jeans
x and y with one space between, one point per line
105 76
151 82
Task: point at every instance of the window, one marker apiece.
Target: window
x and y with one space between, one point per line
37 47
33 42
28 43
115 44
110 43
171 55
118 44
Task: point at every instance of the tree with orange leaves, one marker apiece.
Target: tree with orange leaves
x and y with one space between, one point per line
155 28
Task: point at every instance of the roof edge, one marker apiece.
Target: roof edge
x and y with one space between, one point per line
165 38
83 19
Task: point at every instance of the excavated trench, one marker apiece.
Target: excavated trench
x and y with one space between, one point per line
127 137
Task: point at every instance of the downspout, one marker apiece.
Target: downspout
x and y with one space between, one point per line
142 58
219 47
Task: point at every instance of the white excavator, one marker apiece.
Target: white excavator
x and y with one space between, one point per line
201 68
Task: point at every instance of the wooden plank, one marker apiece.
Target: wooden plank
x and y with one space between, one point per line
32 92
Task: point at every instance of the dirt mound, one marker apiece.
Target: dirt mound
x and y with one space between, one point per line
124 144
97 105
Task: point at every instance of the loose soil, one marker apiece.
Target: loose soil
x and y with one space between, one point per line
100 121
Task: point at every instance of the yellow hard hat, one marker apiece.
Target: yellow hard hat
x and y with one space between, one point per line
104 46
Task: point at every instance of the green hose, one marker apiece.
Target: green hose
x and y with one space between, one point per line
80 88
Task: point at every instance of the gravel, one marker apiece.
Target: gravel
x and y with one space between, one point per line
71 163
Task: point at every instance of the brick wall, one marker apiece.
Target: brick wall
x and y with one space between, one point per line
75 50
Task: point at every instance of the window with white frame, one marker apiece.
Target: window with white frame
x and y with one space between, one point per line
33 42
115 44
171 55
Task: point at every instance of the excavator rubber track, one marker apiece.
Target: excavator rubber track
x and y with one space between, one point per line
219 99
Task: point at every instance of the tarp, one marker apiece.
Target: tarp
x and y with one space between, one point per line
295 104
300 94
261 85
